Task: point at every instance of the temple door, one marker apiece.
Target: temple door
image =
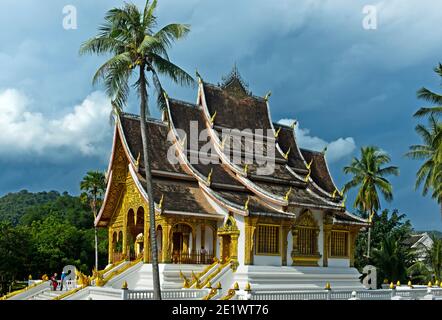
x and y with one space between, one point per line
226 248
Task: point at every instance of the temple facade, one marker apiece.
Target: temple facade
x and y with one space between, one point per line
219 202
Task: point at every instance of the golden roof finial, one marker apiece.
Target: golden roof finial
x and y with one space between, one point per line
309 164
277 132
218 286
160 205
267 96
246 168
324 150
223 143
200 79
409 284
137 163
334 193
308 175
246 205
183 141
294 123
286 198
398 283
286 155
209 177
212 119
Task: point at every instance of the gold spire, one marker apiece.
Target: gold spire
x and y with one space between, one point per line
209 177
277 132
392 285
200 80
246 205
266 98
212 119
286 198
218 286
327 286
286 155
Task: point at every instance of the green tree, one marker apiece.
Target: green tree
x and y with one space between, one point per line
393 259
369 175
128 35
93 186
383 225
431 97
430 173
434 258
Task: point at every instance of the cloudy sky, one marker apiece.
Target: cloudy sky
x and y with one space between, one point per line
346 85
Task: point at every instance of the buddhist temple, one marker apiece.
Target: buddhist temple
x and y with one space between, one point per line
272 218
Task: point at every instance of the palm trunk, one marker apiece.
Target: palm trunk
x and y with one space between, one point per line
153 238
96 249
94 208
369 234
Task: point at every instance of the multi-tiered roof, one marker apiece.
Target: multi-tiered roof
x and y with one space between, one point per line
300 179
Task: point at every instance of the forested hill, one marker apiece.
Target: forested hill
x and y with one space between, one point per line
42 232
23 207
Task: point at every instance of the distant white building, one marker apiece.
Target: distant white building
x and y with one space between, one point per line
421 243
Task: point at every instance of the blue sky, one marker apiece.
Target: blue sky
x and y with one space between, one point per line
347 86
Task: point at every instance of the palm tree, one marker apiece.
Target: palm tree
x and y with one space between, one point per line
393 259
431 97
93 186
429 174
369 176
137 51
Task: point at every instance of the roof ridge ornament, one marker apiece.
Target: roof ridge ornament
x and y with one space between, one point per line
286 198
294 123
212 119
160 205
267 96
277 132
246 168
246 205
200 79
231 77
286 155
209 177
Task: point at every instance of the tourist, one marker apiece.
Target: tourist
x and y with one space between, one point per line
64 276
203 255
54 282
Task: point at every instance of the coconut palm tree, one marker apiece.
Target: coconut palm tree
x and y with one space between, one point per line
93 186
431 97
430 173
140 52
369 175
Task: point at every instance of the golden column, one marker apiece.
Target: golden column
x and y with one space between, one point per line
110 247
250 226
167 227
294 245
284 232
125 253
234 246
194 228
146 236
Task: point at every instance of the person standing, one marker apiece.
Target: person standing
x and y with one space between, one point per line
62 278
54 282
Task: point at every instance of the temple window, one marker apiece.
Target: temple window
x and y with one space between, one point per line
307 240
268 239
339 244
